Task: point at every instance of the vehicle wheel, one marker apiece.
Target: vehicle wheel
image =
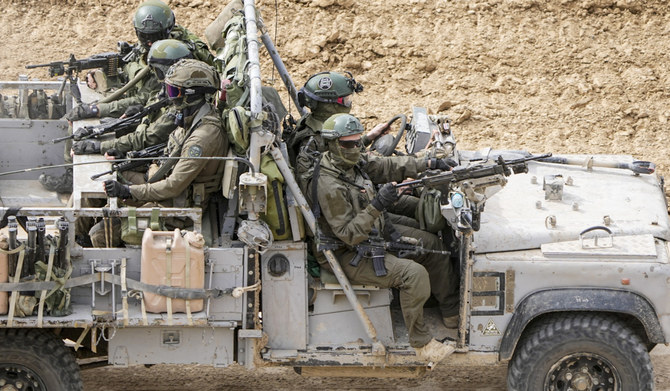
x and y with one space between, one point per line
580 352
36 360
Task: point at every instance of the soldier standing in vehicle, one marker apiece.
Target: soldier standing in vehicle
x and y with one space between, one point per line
349 208
190 84
153 21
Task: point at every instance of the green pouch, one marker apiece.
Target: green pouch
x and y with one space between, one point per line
428 213
276 212
132 228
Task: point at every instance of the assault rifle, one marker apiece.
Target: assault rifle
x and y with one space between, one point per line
153 151
501 168
119 126
109 62
375 247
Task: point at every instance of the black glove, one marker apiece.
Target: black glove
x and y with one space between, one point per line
116 189
82 133
445 164
82 111
386 196
116 154
86 147
133 110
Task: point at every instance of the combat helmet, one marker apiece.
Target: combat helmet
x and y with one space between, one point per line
165 53
189 80
328 87
341 125
153 21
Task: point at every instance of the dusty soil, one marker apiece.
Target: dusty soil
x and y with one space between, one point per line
443 377
573 76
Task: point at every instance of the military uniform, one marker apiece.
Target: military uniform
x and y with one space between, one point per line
346 213
188 182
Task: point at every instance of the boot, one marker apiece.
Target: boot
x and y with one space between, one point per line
60 184
450 322
434 351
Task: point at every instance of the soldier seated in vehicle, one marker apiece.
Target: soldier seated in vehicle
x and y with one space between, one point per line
189 181
153 21
349 208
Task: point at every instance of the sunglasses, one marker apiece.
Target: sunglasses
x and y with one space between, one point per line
349 144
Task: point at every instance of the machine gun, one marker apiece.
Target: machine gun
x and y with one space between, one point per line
470 183
109 62
375 247
119 126
149 152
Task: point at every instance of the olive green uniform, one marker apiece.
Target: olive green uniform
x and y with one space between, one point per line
189 182
203 138
346 213
156 128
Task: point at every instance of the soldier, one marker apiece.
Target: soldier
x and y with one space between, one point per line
190 85
349 208
155 128
153 21
325 94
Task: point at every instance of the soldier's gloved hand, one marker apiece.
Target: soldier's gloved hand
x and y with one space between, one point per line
82 111
386 196
116 189
132 110
86 147
113 153
445 164
82 133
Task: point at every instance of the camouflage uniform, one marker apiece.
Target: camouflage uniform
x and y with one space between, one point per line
346 213
187 178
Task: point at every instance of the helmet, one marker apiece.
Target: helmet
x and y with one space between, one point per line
189 80
328 87
341 125
166 52
153 21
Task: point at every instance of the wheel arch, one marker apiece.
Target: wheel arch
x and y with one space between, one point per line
636 309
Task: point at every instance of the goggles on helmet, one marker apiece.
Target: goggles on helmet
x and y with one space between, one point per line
345 100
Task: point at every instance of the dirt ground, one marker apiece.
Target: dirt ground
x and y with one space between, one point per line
572 76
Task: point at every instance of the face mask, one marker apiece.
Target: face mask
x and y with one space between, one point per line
326 110
343 158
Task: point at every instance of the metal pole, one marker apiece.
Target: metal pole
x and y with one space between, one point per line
256 97
281 68
377 347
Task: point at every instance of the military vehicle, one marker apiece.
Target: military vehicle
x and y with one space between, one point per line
563 264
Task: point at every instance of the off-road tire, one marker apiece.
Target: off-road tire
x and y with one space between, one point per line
546 346
38 357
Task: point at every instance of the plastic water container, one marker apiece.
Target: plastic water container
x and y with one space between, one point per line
157 269
4 276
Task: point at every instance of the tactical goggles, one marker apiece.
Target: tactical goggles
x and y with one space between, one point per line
173 92
146 39
349 144
345 101
160 70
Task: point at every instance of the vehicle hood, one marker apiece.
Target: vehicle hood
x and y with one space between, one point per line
518 217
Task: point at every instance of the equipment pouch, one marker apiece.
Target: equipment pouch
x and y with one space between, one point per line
237 128
428 213
276 214
132 228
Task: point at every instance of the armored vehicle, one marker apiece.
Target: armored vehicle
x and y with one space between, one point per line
563 262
